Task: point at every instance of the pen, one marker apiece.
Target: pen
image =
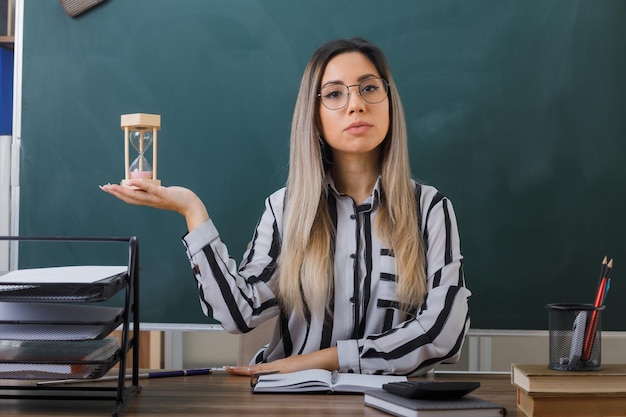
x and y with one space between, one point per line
146 375
606 290
181 372
254 379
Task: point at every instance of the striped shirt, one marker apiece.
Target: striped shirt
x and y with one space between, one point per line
372 336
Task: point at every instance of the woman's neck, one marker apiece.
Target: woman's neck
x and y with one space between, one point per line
356 180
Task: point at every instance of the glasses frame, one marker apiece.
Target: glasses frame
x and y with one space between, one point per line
385 83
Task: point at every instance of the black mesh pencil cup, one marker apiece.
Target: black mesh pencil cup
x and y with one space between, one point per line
574 337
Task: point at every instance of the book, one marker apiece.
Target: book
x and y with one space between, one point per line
571 404
320 380
465 406
539 378
28 358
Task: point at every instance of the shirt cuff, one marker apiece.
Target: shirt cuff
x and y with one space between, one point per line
348 355
199 237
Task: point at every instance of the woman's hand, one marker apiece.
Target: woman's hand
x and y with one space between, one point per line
322 359
178 199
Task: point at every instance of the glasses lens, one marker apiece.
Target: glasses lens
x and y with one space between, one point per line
334 96
373 90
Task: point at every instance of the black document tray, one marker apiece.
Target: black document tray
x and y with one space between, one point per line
48 321
63 292
47 369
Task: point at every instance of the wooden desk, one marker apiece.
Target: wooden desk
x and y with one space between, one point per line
224 395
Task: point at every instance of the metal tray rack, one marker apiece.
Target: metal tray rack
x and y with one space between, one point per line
39 313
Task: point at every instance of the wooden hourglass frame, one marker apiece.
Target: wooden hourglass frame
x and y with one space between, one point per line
140 125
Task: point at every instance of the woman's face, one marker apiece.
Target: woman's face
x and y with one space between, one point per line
359 127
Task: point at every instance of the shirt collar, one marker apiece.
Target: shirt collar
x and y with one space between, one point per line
373 200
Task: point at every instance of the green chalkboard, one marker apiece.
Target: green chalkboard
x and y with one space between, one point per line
516 111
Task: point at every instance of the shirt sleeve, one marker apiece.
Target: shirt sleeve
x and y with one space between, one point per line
436 334
239 297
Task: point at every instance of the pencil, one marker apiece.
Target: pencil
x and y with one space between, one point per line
590 334
602 269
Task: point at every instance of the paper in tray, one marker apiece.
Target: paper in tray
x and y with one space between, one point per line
63 284
49 371
57 359
52 321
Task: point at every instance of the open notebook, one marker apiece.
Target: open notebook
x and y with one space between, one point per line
320 380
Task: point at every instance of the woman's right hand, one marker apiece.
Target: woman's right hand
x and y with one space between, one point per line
178 199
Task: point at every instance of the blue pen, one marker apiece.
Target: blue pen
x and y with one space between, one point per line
181 372
146 375
606 289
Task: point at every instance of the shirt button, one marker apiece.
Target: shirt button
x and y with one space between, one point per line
353 216
353 255
352 299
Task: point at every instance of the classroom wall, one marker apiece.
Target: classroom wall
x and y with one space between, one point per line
494 352
6 128
5 158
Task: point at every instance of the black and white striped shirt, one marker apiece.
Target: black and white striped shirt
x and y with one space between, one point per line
372 336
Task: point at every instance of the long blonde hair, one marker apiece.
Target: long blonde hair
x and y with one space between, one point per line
306 263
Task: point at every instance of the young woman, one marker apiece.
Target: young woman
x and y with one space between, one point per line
361 264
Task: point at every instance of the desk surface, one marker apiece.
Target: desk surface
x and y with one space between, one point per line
225 395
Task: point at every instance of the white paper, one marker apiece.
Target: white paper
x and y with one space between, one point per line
84 274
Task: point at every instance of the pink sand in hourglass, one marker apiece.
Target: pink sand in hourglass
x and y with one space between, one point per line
140 174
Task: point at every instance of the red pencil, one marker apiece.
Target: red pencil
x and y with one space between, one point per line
590 334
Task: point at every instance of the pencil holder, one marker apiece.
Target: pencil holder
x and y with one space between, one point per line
574 337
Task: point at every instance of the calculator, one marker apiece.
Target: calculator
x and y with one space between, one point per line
431 389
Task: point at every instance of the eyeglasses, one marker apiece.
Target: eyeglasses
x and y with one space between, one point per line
335 96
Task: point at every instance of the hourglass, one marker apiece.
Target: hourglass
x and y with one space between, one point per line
140 130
